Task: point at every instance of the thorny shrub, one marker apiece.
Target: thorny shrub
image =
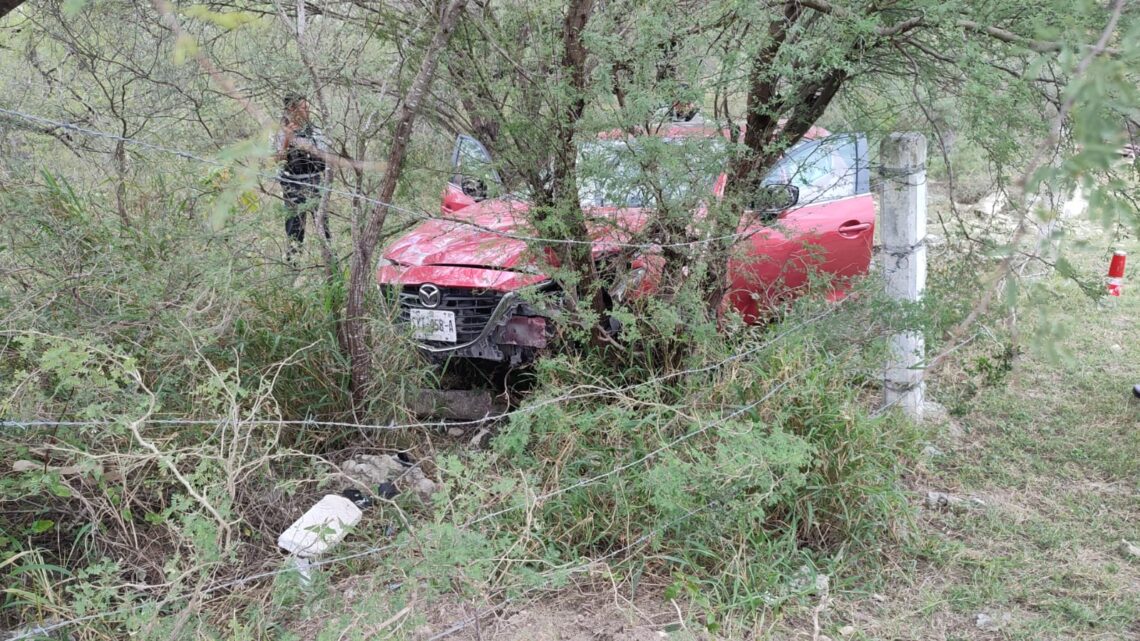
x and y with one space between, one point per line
723 472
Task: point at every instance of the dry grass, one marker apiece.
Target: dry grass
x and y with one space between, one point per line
1053 451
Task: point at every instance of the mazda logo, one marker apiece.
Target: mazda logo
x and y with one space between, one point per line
430 295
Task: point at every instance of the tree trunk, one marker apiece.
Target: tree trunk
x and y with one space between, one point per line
578 255
120 156
361 277
766 138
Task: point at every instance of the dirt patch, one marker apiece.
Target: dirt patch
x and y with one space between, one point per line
592 616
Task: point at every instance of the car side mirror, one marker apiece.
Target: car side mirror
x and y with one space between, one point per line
774 198
475 188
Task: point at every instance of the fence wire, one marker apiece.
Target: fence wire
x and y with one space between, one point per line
521 411
535 500
43 630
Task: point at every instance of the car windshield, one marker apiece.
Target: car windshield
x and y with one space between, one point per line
640 172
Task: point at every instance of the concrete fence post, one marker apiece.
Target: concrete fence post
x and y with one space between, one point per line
902 231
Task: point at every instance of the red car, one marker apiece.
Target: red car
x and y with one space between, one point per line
461 280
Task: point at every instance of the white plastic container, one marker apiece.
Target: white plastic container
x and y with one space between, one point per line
322 527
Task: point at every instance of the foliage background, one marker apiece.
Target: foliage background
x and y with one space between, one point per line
142 281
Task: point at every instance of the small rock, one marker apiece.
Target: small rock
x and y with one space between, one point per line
804 582
822 583
934 412
1129 550
477 440
931 451
1116 348
878 597
455 431
988 623
943 501
846 630
424 489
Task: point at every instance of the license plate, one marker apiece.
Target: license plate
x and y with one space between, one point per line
433 325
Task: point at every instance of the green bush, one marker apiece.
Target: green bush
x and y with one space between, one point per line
729 479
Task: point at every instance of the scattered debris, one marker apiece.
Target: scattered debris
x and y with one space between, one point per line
1129 550
988 623
846 630
878 597
358 498
372 470
320 528
387 490
943 501
390 475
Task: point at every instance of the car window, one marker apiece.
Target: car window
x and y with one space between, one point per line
472 167
632 173
822 169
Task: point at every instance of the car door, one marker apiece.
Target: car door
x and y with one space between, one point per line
828 232
473 177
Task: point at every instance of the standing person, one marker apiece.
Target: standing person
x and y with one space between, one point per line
299 146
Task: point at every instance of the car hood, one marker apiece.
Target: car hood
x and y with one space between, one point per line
494 233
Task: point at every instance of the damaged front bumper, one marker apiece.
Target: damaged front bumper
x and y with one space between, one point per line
487 325
513 334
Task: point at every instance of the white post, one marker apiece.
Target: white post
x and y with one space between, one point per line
902 230
300 18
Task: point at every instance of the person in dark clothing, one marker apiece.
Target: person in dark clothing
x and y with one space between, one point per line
299 146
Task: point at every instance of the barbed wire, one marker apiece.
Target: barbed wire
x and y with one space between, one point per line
87 131
537 500
526 409
472 522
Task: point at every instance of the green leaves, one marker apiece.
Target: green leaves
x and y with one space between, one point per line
185 47
72 7
228 20
41 526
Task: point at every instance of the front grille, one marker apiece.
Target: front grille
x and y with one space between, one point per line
472 307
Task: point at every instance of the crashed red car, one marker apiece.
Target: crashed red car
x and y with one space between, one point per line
461 280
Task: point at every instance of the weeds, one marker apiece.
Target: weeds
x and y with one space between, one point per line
728 471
